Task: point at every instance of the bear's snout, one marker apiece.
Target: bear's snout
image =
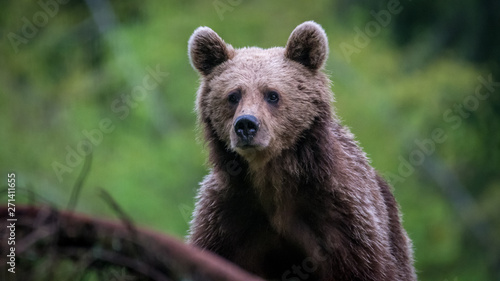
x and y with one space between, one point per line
246 127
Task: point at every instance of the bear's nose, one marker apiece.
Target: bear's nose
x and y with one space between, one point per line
246 127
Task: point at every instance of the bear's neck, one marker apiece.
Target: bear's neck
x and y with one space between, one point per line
325 156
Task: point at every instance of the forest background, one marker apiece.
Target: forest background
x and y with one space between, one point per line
418 83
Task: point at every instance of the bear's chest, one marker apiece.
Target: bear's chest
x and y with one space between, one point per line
283 204
270 255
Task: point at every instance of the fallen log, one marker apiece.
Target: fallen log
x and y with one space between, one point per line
52 244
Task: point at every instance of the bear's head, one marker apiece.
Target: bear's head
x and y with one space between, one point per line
259 102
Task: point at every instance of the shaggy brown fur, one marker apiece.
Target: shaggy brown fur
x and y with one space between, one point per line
298 200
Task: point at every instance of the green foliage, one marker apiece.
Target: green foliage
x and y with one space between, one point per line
68 78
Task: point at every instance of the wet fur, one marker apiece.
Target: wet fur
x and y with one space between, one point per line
313 196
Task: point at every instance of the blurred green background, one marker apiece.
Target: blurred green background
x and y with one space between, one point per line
416 81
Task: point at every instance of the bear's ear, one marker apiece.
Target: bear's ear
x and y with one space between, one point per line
308 45
207 50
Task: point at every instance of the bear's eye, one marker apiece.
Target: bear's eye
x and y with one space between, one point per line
234 97
272 97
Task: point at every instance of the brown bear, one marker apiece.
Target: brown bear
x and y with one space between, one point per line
290 194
